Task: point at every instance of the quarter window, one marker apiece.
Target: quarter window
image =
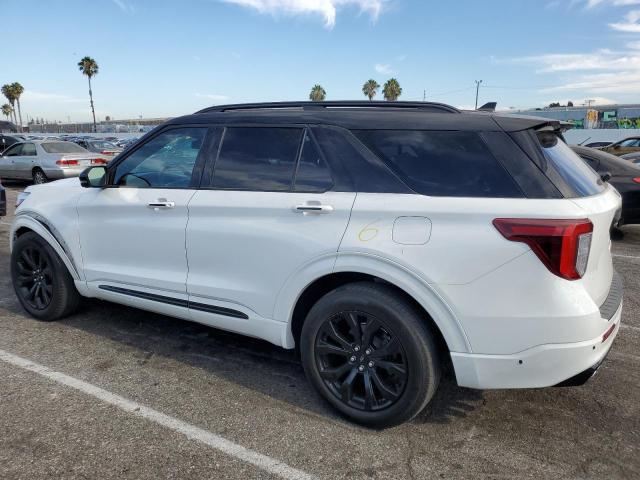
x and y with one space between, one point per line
313 174
165 161
257 158
446 164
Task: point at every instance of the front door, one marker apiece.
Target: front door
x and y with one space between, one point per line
266 214
132 233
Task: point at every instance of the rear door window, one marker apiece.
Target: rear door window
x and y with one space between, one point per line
443 163
313 174
257 158
29 150
583 180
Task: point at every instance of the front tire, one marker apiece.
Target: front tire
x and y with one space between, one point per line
41 281
369 353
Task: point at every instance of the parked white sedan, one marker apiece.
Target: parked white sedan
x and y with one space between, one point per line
44 160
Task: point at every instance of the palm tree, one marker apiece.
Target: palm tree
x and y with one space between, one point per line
318 94
7 110
89 67
370 88
7 91
18 90
392 90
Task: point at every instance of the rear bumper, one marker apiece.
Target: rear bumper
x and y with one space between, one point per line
540 366
59 173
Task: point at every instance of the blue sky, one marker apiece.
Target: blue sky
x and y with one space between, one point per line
167 58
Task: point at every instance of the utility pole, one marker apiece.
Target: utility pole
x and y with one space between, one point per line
589 102
478 82
424 95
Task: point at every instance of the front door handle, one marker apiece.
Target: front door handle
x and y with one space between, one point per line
159 205
312 208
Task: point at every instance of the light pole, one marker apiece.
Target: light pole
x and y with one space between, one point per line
478 82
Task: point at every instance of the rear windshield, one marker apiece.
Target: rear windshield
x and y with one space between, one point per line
580 177
446 164
102 144
62 147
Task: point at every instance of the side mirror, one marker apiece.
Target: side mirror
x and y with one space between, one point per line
93 177
606 176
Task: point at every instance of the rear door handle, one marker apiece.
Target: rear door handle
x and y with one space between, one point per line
314 208
158 205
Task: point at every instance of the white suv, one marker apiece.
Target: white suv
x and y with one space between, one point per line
384 240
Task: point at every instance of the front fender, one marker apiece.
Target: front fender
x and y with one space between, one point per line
39 225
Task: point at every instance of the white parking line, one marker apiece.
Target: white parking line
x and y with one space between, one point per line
190 431
5 223
616 255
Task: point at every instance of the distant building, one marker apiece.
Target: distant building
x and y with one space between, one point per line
617 117
8 127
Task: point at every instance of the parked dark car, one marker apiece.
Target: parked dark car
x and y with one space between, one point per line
632 157
7 140
625 177
3 201
627 145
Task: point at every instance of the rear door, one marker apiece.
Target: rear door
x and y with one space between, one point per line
24 163
266 212
8 161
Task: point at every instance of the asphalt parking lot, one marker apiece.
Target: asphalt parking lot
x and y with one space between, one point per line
210 404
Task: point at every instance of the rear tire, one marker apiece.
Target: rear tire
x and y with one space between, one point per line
370 354
39 177
41 280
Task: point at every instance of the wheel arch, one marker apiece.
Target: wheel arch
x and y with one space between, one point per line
26 223
436 313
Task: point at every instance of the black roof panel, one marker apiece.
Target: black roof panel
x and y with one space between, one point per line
363 115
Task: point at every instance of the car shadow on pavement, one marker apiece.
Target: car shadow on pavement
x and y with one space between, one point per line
252 363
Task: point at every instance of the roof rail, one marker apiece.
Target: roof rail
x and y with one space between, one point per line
433 106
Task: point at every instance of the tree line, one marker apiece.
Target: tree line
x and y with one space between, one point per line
391 90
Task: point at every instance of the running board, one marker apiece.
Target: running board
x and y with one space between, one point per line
178 302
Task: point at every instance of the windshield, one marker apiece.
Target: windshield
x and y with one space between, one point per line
577 174
62 147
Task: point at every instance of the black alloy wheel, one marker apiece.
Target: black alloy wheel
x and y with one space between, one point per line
34 279
361 361
41 280
371 353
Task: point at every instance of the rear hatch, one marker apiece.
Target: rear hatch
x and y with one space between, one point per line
599 201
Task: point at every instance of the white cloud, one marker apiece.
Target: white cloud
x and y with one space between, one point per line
383 68
602 83
125 6
603 59
327 9
615 3
630 23
212 96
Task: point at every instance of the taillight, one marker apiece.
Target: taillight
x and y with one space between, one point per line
637 179
98 161
106 152
562 245
67 163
